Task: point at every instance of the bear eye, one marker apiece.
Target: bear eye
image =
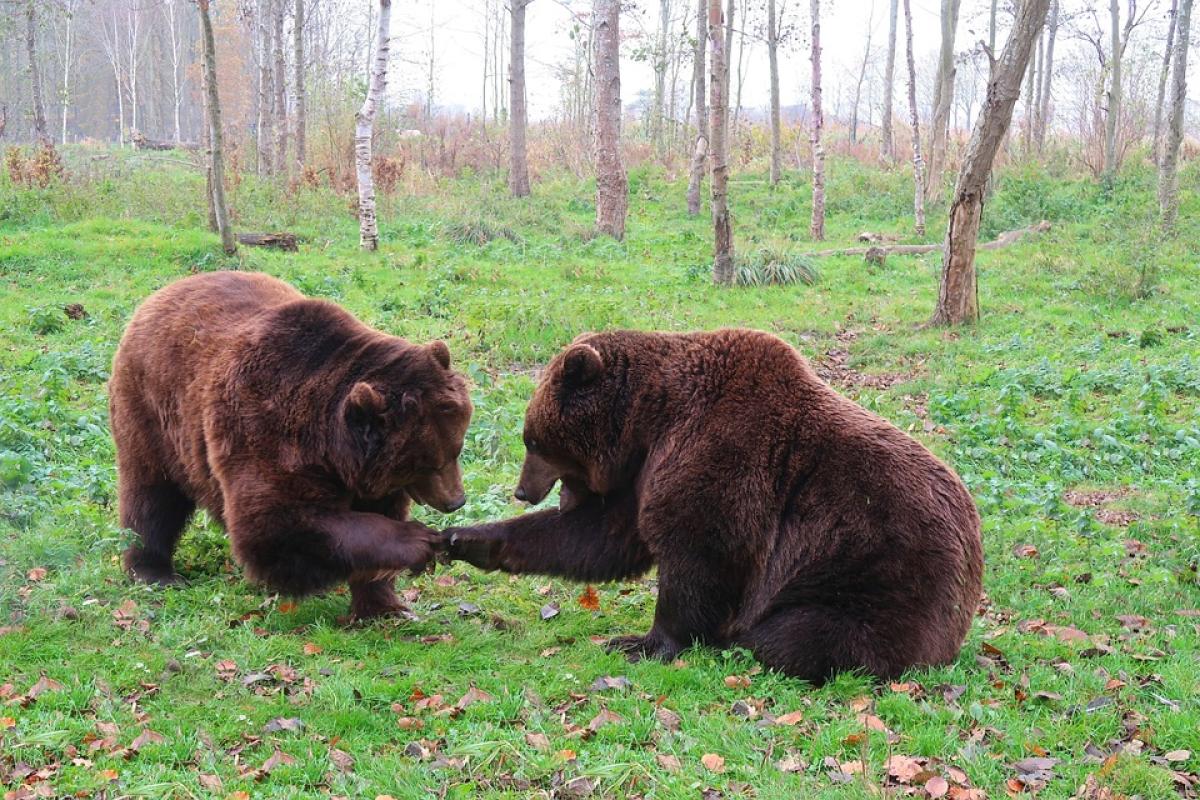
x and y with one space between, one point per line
531 444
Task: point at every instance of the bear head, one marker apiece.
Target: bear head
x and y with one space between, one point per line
578 425
400 427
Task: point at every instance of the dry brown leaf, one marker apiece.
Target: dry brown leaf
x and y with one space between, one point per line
36 574
538 741
590 598
311 649
791 718
146 737
107 775
1175 756
211 782
410 723
6 723
667 718
713 762
737 681
605 717
937 786
341 759
472 696
668 762
42 686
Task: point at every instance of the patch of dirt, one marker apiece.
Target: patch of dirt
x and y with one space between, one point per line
1095 498
1112 516
834 368
75 310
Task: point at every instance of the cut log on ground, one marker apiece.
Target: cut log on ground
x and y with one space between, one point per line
278 241
142 143
1003 240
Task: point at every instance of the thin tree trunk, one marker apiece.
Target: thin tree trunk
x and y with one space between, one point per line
40 129
1168 175
216 155
1044 109
1114 94
700 154
266 120
281 110
862 75
171 10
1168 52
1033 94
773 57
958 300
518 172
939 123
660 79
364 125
816 226
612 185
741 75
206 144
992 28
301 101
888 145
915 122
69 14
719 130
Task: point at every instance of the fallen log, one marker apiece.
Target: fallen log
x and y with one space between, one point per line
1003 240
140 142
278 241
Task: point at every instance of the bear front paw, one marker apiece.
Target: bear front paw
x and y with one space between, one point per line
652 645
477 549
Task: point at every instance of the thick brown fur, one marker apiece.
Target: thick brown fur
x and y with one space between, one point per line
303 431
783 517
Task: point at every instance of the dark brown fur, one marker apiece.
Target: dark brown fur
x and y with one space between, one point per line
782 516
303 431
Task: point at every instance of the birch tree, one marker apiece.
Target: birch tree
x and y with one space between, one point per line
915 122
816 227
298 23
773 59
700 152
958 300
887 148
1168 53
280 100
1168 171
518 172
612 185
943 98
1044 109
264 129
216 154
38 103
719 130
364 127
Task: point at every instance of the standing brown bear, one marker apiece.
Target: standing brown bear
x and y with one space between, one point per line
783 517
300 429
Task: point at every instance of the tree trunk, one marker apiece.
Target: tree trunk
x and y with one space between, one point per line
862 75
216 155
301 100
741 75
265 127
943 98
719 130
1168 52
958 300
915 122
773 57
816 227
660 79
699 156
1168 176
612 186
69 47
1114 94
1032 94
171 10
38 105
364 125
206 145
888 145
281 111
518 171
1044 117
992 29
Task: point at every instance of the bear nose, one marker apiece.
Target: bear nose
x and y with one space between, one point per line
520 494
456 503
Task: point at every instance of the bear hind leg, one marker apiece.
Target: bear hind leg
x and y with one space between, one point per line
374 596
157 513
815 643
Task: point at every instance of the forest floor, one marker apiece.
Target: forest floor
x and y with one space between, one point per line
1072 411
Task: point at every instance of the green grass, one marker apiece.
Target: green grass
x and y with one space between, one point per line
1070 382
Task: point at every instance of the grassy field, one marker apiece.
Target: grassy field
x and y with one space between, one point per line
1072 411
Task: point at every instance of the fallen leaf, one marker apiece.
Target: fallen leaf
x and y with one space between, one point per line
737 681
292 724
311 649
226 670
903 769
791 718
146 737
238 796
42 686
605 717
1025 551
791 763
549 611
472 696
410 723
668 762
667 718
467 609
211 782
872 722
538 741
6 723
937 786
341 759
589 599
107 775
566 755
287 607
277 758
1175 756
605 683
713 762
36 574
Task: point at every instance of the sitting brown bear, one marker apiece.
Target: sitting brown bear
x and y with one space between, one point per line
300 429
783 517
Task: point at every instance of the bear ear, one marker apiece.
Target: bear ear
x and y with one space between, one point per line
440 352
582 364
364 403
